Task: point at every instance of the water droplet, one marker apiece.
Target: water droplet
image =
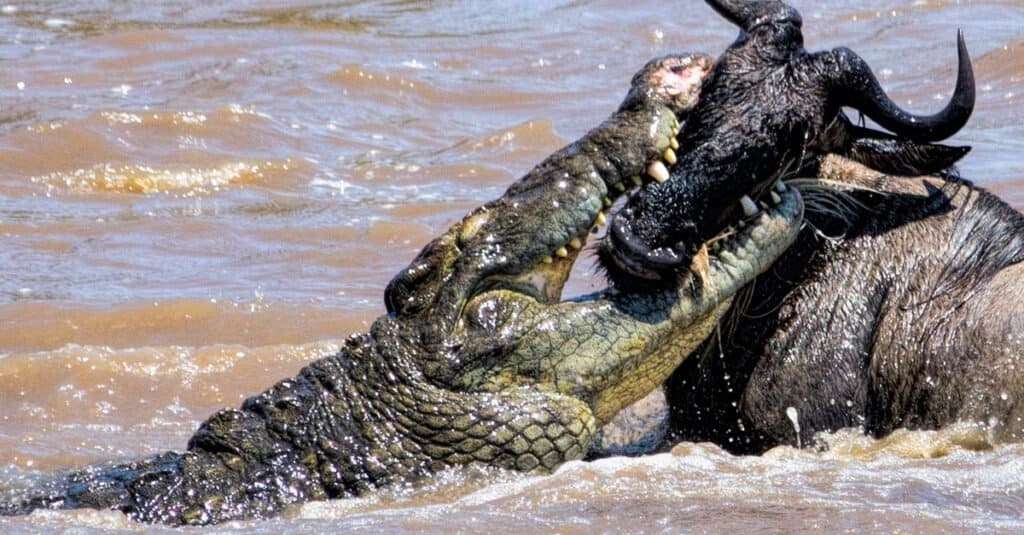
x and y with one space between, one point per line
794 417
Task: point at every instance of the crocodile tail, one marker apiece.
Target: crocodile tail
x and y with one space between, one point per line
99 486
233 469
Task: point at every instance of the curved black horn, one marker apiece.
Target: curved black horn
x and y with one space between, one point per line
737 13
864 93
749 13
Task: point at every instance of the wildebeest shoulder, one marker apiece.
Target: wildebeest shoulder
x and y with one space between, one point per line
912 318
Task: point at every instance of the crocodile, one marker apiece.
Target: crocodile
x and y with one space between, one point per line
478 360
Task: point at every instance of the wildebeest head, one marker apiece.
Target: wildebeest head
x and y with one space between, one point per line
772 29
766 112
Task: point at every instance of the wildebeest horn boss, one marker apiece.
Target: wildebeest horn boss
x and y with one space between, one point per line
769 110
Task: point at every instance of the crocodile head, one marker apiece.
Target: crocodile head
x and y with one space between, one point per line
483 301
528 239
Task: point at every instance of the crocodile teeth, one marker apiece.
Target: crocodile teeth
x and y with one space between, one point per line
658 171
749 208
775 198
561 252
607 202
674 143
670 156
637 180
575 243
620 186
547 260
601 219
780 187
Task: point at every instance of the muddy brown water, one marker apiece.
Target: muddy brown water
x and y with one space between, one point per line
198 198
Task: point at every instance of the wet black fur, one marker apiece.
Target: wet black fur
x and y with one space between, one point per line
893 326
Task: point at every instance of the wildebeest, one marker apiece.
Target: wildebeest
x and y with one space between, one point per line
899 306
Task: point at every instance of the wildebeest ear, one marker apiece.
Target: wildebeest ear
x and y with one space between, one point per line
904 157
885 152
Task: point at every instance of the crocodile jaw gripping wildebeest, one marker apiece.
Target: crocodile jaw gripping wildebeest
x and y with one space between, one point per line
477 360
899 306
766 112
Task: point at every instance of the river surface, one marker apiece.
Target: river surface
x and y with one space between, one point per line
198 198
